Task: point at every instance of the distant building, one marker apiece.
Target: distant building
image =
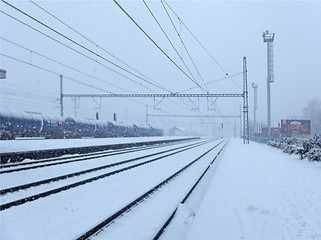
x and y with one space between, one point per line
174 131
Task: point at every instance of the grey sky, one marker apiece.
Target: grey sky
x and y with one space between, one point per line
229 31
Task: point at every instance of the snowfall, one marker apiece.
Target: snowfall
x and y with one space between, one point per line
253 191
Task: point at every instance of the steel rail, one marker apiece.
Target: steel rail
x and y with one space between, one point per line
107 221
169 219
58 163
73 185
78 173
108 152
73 150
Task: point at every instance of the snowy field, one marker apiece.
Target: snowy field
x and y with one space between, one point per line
259 192
69 214
39 144
251 192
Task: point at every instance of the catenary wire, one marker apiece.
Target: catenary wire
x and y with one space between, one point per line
80 45
208 53
84 55
65 65
213 81
98 46
142 30
69 47
183 44
78 53
150 11
88 85
50 71
188 53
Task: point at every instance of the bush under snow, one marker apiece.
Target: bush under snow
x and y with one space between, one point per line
309 148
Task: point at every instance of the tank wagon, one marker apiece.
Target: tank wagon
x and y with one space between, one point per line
21 124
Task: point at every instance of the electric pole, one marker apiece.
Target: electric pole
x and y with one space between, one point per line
254 86
61 98
246 135
269 38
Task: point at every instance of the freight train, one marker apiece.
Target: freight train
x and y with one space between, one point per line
23 124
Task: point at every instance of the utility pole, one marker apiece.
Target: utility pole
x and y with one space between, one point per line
269 38
146 114
246 135
254 86
61 98
241 122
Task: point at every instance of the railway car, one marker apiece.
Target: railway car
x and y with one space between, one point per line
53 126
78 127
142 130
121 129
102 129
21 124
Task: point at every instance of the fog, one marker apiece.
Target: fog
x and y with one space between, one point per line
228 31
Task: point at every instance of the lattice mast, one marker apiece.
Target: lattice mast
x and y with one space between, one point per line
246 136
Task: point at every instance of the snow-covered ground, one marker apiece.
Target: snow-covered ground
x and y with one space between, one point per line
70 213
252 192
259 192
43 144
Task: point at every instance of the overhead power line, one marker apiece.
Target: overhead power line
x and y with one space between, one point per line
210 82
183 44
196 38
82 54
78 44
102 49
65 46
65 65
98 46
77 70
53 72
150 11
142 30
199 42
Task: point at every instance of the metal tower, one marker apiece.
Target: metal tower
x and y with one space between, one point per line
269 38
254 86
246 136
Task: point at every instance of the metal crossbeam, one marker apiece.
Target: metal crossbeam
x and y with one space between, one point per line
156 95
192 116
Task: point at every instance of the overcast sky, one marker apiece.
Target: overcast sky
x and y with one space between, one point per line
228 30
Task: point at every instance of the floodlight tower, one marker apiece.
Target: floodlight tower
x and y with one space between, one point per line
254 86
268 38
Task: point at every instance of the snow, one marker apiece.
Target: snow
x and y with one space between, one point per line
252 192
30 145
261 193
70 213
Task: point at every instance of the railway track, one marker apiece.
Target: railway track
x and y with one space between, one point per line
73 205
65 187
101 227
49 153
79 157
